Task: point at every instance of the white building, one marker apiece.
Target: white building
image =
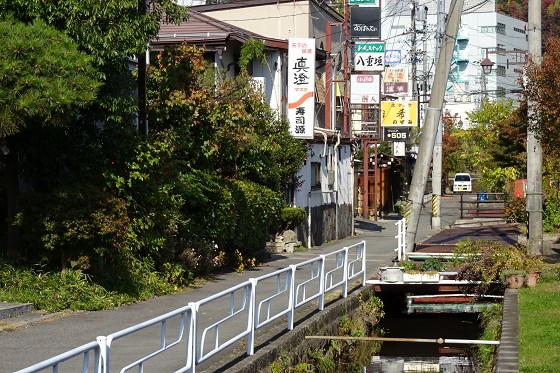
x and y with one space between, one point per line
483 33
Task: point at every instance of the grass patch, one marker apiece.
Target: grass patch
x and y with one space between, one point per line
539 320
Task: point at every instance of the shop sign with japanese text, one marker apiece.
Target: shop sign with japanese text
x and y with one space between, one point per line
365 89
399 113
365 22
393 57
301 87
395 80
369 56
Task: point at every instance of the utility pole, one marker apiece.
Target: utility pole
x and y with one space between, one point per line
433 115
437 162
413 49
534 147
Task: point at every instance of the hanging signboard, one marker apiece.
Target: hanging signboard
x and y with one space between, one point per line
399 113
369 57
399 149
301 87
365 22
395 81
364 2
365 89
396 133
393 57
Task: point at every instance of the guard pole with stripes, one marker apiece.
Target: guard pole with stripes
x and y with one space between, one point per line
435 205
407 210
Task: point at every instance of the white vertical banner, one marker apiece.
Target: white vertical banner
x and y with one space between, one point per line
301 87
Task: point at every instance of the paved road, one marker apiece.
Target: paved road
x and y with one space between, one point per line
38 341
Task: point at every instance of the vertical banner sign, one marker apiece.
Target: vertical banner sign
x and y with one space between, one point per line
365 22
399 113
301 87
369 56
365 89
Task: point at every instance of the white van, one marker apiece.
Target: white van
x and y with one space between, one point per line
462 182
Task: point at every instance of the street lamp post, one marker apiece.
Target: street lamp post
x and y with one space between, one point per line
486 65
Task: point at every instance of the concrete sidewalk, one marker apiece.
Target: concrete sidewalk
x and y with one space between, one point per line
27 340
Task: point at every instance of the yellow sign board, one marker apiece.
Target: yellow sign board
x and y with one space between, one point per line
399 113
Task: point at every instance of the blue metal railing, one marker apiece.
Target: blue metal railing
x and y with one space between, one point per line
247 307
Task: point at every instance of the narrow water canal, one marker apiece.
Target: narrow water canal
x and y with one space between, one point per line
397 357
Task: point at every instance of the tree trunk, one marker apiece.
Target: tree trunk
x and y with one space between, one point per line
12 200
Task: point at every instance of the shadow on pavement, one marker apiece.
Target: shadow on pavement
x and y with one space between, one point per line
368 226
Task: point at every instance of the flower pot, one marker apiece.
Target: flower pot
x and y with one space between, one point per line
430 277
533 278
412 277
514 281
391 274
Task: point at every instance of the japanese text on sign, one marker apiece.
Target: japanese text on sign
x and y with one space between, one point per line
399 113
301 86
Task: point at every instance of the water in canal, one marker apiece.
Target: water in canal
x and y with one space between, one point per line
397 357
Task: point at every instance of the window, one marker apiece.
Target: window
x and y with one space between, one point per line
500 70
315 175
520 30
501 28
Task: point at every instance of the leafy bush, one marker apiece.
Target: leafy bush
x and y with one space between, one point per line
77 226
487 260
551 215
258 210
515 210
53 292
432 264
291 218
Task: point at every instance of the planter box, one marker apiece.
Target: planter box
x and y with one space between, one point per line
391 274
430 277
412 277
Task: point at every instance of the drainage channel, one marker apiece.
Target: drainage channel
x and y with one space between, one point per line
429 337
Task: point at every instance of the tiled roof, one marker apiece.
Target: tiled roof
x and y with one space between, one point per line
201 29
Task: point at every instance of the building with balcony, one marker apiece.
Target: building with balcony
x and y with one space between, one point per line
483 33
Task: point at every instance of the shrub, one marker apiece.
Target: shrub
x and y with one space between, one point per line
291 218
55 291
486 261
432 264
551 215
515 211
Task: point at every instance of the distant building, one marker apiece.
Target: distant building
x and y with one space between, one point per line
483 33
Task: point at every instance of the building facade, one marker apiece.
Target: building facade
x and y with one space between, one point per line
484 33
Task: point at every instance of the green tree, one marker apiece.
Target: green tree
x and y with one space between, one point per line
451 146
44 80
494 144
235 153
111 32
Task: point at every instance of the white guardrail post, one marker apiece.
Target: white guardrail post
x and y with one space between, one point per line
401 239
103 354
323 283
345 273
